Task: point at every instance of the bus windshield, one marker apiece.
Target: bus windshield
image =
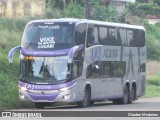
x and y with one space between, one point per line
48 36
49 70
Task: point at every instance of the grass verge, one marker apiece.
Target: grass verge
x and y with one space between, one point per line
153 86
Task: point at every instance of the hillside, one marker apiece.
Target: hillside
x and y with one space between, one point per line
10 32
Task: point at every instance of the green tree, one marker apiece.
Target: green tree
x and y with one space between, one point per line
142 1
100 11
157 1
79 2
143 9
74 11
59 4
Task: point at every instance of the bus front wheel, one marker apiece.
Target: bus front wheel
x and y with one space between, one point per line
39 105
86 99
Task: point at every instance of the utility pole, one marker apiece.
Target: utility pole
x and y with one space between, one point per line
87 9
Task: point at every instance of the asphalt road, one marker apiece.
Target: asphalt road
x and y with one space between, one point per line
143 105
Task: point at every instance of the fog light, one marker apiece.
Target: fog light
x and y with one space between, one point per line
22 97
66 97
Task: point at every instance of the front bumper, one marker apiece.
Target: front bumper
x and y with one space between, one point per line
46 96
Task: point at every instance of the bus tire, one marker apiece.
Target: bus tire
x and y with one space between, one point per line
132 94
116 101
124 99
39 105
86 99
91 103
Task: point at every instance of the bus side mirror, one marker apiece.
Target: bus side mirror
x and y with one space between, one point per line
72 52
11 53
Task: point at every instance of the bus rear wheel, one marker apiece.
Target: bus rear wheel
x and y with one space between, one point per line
86 99
116 101
125 98
91 103
132 94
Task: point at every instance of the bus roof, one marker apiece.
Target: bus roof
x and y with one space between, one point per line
78 21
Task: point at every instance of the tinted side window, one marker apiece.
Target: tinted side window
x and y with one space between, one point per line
92 35
141 38
103 35
112 36
130 37
80 34
109 35
92 72
77 68
106 69
122 36
138 38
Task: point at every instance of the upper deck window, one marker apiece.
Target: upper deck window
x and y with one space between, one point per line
80 34
47 36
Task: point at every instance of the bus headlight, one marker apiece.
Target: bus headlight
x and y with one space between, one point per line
24 89
64 89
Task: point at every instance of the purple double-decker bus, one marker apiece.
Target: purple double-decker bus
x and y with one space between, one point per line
81 61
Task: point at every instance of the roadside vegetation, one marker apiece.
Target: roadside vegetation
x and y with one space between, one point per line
153 86
11 30
11 33
153 79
